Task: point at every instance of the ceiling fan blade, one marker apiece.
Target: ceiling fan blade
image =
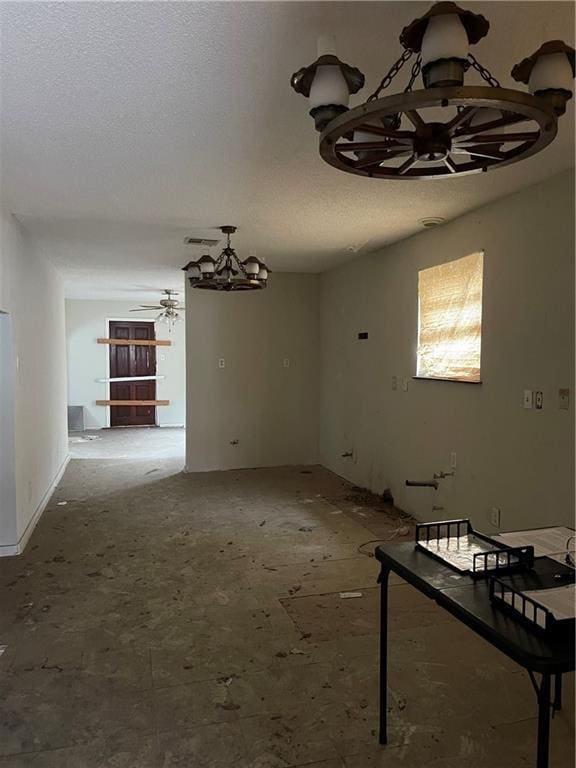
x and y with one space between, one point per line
145 309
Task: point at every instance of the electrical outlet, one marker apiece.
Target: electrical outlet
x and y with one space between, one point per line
528 398
452 459
538 400
221 363
495 517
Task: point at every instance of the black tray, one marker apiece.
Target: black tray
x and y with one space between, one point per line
525 609
467 551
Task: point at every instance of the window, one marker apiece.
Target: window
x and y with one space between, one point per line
450 320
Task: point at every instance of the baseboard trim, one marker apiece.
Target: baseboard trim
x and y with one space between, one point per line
7 550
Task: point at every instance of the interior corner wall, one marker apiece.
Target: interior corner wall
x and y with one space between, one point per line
252 375
86 321
519 461
34 350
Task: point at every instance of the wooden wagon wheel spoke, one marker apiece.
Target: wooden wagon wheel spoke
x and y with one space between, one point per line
407 165
415 119
375 161
500 138
368 146
491 125
462 118
387 132
450 164
487 153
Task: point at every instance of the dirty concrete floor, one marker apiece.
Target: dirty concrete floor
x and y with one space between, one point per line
161 619
129 443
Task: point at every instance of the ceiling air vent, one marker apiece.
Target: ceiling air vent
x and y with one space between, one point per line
200 241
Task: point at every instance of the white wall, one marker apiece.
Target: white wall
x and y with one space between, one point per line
270 409
34 443
521 461
87 321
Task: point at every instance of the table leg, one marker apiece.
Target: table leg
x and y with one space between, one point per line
557 691
383 579
543 721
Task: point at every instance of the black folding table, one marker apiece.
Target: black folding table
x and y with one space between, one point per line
468 600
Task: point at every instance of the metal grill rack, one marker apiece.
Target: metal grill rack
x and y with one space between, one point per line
506 560
457 544
523 608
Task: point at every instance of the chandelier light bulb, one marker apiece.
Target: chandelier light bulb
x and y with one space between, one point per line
252 266
329 87
207 266
551 72
444 38
193 270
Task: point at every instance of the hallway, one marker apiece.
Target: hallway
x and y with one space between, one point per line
129 443
161 619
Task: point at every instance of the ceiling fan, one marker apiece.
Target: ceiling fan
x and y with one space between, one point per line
170 308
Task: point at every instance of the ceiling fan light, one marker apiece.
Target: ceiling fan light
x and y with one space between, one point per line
263 272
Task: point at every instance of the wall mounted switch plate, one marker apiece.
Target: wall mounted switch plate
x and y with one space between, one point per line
564 399
528 398
394 382
452 459
221 363
405 385
286 362
538 399
495 517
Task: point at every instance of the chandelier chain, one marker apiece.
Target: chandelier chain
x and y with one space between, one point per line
416 67
391 74
486 74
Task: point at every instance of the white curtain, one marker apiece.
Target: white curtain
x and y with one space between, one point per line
450 319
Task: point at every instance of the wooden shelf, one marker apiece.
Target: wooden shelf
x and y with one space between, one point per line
137 342
132 402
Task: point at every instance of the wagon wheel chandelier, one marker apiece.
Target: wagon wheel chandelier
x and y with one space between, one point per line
447 128
227 272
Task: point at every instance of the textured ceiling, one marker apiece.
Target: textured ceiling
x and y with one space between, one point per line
126 126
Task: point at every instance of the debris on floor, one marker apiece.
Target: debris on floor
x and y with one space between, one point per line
348 595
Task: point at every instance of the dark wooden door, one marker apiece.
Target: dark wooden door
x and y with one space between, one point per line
132 360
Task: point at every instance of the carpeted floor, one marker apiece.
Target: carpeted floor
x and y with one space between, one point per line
161 619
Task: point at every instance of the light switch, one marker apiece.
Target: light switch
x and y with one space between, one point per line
286 362
564 399
405 385
528 398
538 399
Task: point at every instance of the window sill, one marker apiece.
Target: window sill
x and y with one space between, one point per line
453 381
